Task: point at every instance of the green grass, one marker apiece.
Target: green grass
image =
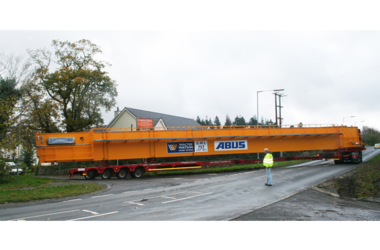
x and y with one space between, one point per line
26 188
225 169
361 183
22 181
48 192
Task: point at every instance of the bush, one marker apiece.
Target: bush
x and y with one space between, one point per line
4 171
36 168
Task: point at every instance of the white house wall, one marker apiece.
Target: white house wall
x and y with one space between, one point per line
126 120
160 126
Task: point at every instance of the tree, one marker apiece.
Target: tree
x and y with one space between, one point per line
79 85
198 120
208 122
239 120
228 121
9 96
28 157
43 113
269 122
370 136
216 121
14 67
14 71
252 121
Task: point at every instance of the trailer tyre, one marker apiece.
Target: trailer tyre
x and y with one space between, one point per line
106 174
122 174
137 173
90 175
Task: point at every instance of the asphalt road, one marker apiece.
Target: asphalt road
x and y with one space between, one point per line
206 197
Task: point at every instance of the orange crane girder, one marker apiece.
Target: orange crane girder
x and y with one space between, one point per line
132 143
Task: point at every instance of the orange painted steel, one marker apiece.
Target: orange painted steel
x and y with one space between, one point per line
129 143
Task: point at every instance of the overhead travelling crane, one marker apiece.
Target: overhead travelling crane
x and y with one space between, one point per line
341 143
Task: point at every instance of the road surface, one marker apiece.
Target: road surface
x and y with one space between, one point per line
204 197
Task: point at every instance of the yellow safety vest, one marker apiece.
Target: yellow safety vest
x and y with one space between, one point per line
268 160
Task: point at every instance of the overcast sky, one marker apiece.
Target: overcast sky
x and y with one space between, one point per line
327 75
209 58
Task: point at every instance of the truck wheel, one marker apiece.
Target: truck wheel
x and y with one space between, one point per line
137 173
122 174
106 174
90 175
337 162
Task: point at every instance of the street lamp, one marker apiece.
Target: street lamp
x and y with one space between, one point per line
276 90
347 117
19 146
358 121
355 125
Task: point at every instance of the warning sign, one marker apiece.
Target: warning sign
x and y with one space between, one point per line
144 123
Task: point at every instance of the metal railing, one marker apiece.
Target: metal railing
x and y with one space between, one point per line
203 128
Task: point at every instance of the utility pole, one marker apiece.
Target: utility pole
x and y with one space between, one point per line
258 107
275 105
278 118
279 97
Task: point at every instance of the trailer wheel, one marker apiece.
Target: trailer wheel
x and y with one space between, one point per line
90 175
122 174
106 174
138 173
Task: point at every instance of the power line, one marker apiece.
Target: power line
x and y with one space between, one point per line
324 82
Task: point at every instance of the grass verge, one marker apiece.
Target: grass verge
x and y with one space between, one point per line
225 169
23 181
27 188
363 182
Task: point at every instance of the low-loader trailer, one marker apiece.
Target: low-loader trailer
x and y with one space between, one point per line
340 143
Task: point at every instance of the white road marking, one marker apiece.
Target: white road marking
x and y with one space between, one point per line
168 197
90 212
134 203
130 191
303 164
93 216
147 189
186 198
101 196
46 215
72 200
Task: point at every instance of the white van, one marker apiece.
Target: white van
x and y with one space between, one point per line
13 169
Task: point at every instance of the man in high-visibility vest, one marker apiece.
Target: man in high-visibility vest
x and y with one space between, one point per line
268 163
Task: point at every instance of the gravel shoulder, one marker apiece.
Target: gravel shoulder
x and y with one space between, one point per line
319 203
312 205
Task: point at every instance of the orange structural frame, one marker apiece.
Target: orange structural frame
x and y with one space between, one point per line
132 143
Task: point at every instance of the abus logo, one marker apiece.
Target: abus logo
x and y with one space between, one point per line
230 145
172 147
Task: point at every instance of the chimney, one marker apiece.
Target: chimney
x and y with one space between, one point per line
117 112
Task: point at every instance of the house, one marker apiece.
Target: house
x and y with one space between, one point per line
136 118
